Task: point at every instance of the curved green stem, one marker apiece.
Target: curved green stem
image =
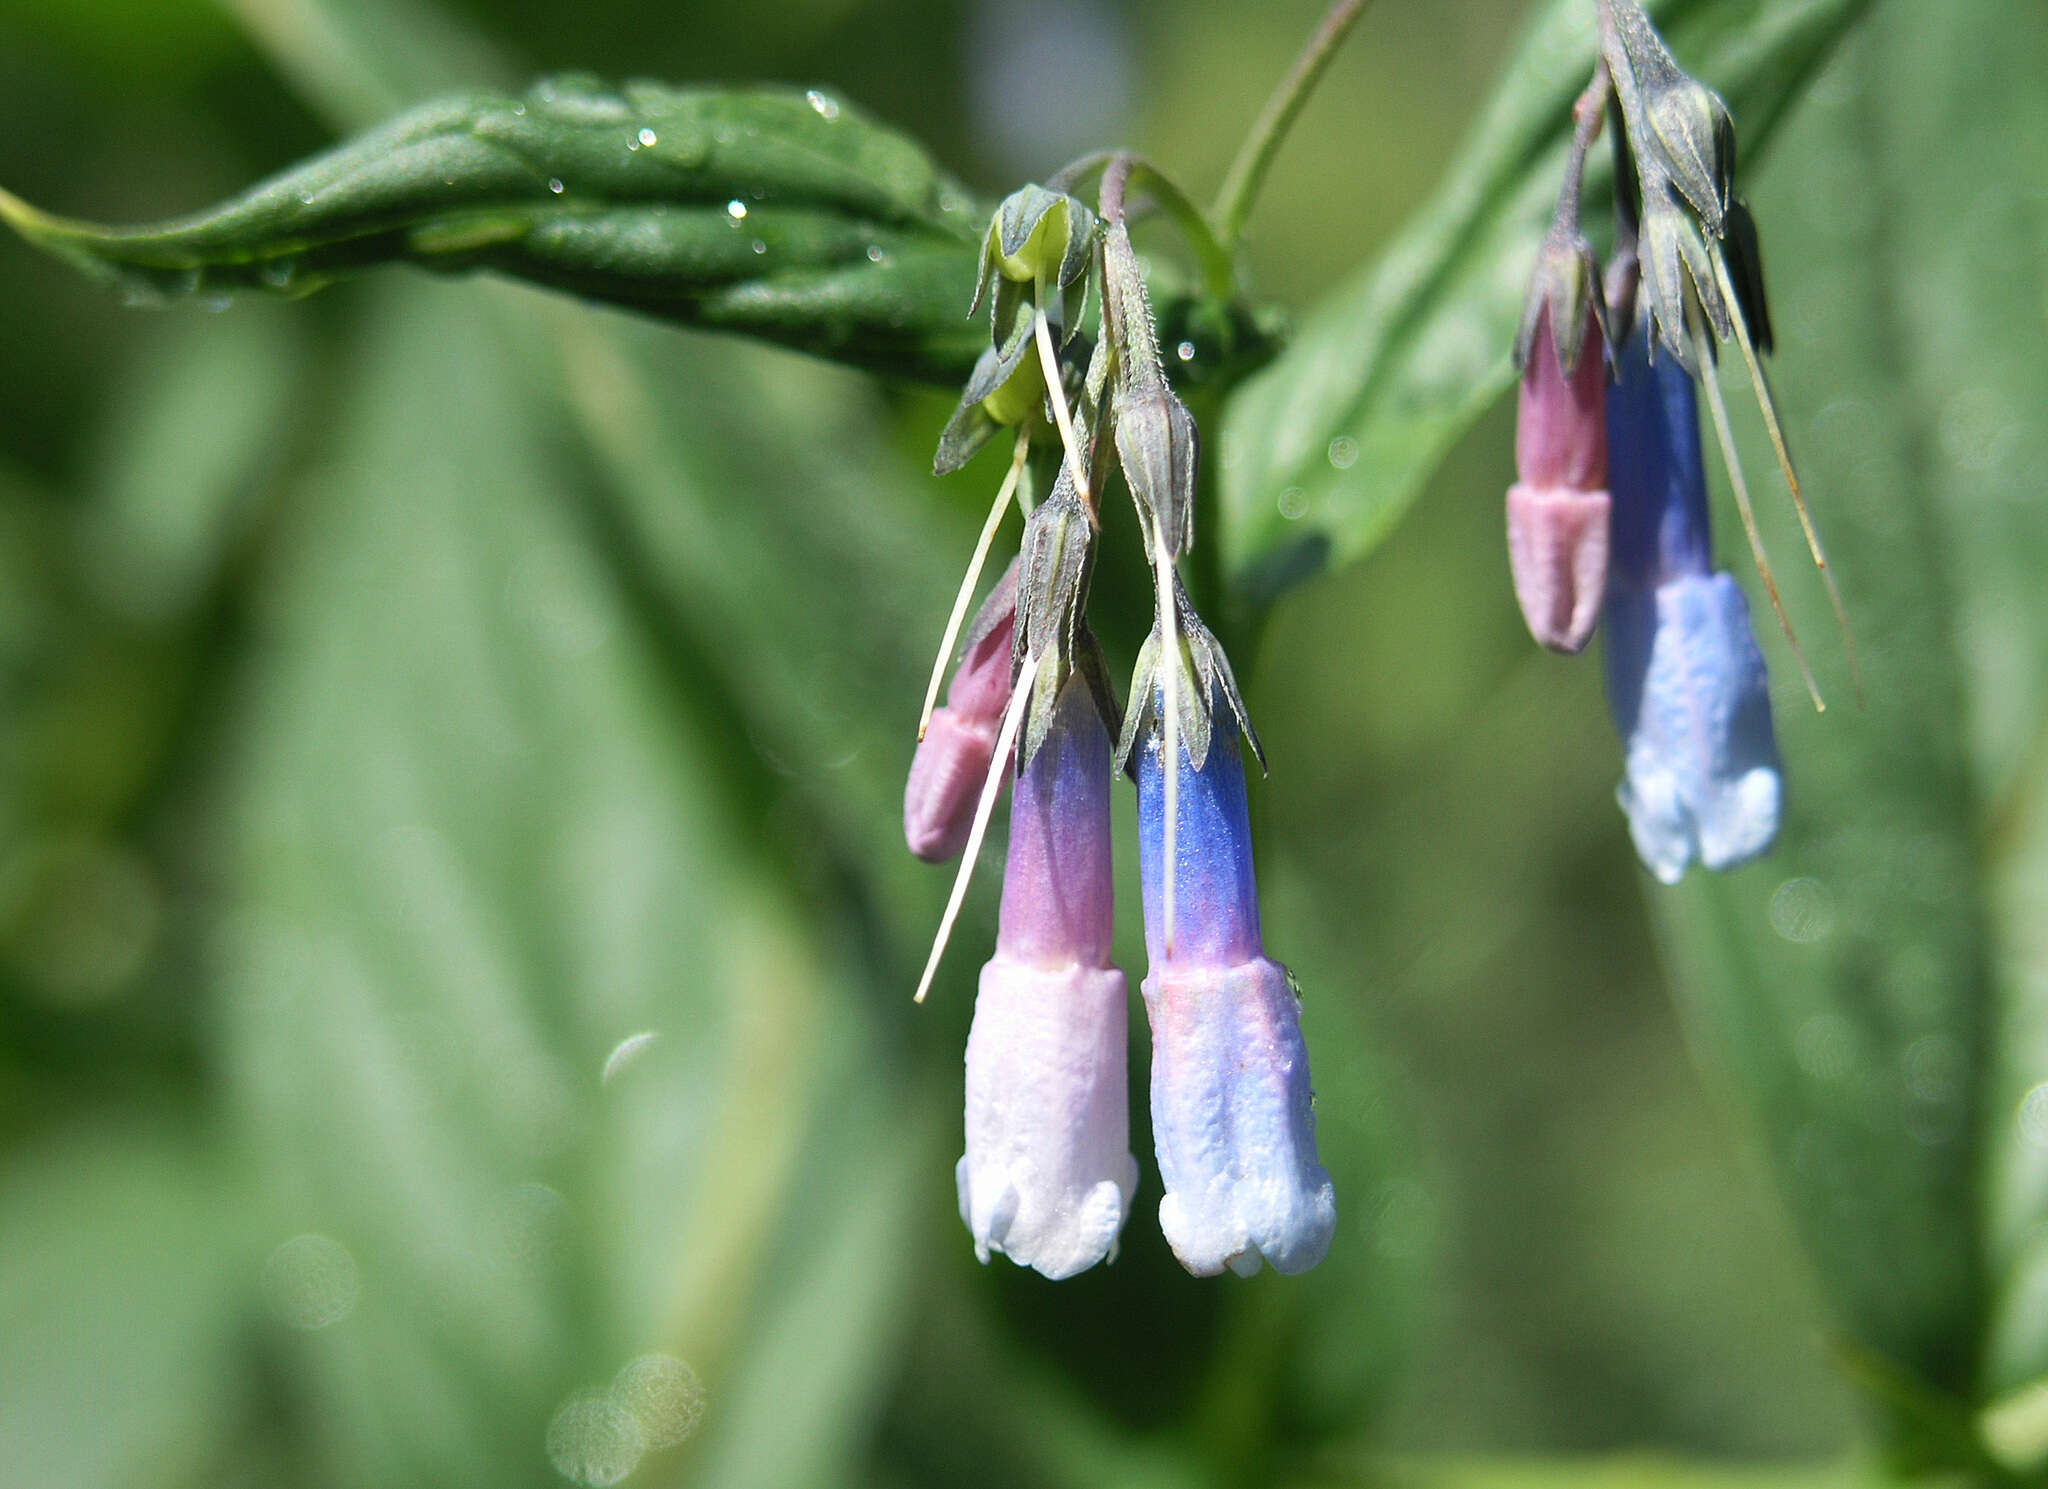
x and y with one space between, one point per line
1123 171
1248 172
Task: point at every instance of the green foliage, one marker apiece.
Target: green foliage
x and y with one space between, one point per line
1876 994
422 705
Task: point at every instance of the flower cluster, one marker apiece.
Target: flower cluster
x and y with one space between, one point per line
1607 523
1047 1177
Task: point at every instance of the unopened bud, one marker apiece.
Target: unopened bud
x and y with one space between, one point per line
953 758
1157 443
1558 513
1041 242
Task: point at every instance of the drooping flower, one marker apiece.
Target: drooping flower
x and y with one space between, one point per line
953 758
1048 1176
1232 1112
1685 680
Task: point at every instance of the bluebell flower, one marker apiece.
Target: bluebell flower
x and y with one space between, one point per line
1048 1175
1684 677
1232 1112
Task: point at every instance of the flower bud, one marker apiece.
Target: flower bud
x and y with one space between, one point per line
1559 510
1232 1112
1048 1175
953 758
1685 680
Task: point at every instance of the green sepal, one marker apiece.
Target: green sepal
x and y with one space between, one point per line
1055 562
1679 128
972 425
1567 282
1206 683
1158 446
1035 256
1012 387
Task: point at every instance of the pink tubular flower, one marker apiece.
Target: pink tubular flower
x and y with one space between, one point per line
953 758
1048 1175
1559 510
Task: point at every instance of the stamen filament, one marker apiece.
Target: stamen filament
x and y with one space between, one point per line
1769 406
967 584
1006 741
1169 729
1050 360
1711 382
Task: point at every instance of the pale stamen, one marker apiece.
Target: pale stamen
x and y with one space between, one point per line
967 585
1711 382
1769 406
1169 743
1056 391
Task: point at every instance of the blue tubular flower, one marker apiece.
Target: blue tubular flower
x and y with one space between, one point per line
1048 1175
1231 1108
1684 677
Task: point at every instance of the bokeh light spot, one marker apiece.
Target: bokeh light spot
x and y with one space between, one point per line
311 1282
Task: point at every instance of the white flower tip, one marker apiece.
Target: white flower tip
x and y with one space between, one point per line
1048 1175
1061 1240
1285 1225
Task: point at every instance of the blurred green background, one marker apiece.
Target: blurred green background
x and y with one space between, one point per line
412 696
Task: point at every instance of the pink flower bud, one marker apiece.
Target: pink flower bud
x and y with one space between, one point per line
953 758
1557 548
1558 512
1561 435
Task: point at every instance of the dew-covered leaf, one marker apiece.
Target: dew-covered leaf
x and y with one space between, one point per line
1324 450
780 213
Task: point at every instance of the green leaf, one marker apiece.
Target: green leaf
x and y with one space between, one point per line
125 1278
1324 450
1876 989
484 834
205 415
782 214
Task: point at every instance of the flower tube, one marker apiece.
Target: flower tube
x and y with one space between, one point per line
1232 1112
1685 680
1048 1175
